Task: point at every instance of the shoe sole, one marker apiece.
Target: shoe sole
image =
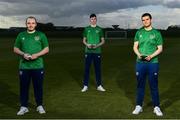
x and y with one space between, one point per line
84 90
101 90
137 113
157 115
40 112
23 113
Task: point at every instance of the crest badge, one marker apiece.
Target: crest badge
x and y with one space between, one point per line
152 36
36 38
97 31
23 38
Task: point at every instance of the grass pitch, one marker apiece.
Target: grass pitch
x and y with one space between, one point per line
64 67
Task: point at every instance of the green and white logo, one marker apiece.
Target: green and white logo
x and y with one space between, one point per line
23 38
97 31
152 36
37 38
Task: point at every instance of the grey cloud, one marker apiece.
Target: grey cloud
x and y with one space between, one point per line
172 4
64 8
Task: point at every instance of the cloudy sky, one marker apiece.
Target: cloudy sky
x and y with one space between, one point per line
125 13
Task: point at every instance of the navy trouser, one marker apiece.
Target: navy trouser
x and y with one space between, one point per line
96 59
37 76
142 71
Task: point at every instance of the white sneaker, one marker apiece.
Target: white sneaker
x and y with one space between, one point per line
40 109
137 110
100 88
85 88
22 111
157 111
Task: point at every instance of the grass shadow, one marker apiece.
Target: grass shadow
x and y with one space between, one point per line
171 95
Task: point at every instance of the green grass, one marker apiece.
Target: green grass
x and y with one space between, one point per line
63 81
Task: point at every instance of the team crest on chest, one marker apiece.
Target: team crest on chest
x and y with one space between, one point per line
23 38
37 38
97 31
152 36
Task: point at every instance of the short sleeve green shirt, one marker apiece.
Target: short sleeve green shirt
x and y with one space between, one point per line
148 42
93 36
31 43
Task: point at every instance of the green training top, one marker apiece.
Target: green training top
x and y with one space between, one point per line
148 42
93 36
31 43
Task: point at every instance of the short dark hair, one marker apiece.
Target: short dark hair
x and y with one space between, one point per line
31 17
92 15
146 14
